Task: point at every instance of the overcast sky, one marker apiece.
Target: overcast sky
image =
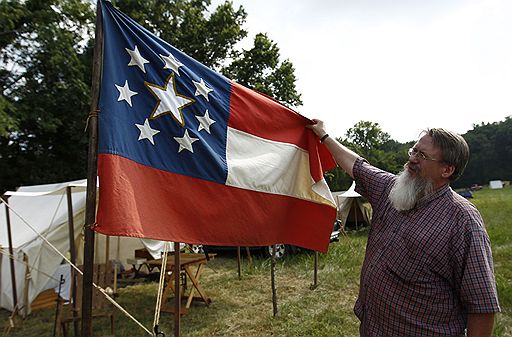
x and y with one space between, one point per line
405 64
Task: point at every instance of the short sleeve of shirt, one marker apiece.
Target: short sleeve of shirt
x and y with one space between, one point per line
371 182
474 270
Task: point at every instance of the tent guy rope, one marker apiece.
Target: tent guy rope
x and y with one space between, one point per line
110 299
3 252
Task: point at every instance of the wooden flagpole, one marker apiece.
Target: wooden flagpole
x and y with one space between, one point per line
92 169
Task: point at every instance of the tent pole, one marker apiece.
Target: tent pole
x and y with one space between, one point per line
26 285
107 249
92 171
72 252
11 252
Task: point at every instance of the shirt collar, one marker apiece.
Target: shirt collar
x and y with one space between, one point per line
437 194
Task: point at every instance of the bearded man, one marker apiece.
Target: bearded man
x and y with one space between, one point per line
428 267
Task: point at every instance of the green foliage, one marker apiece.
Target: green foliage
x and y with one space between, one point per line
259 68
491 153
186 24
490 146
494 205
45 91
371 142
366 136
6 121
46 52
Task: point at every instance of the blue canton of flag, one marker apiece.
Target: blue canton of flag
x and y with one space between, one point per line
168 111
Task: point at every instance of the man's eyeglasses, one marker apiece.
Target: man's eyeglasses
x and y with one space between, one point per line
418 154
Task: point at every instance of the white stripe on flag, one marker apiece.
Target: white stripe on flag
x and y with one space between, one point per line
259 164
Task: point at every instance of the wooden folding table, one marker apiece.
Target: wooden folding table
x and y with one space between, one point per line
191 268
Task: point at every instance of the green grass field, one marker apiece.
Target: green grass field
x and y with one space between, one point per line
243 307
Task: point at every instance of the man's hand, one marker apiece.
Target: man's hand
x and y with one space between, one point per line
342 155
480 325
318 127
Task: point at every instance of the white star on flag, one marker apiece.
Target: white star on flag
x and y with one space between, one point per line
205 122
169 101
202 89
146 132
125 93
185 142
137 59
171 63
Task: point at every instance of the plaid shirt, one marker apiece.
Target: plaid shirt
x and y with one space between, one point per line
425 269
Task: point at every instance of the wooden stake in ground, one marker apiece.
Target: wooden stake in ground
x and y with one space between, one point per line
238 262
315 272
273 277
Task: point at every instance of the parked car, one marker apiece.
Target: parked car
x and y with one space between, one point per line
282 250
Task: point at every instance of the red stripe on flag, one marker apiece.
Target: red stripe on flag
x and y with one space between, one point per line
139 201
262 116
259 115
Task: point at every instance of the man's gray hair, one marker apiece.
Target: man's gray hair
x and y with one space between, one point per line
454 149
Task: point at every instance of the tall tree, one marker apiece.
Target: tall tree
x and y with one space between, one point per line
370 141
260 68
211 39
208 37
490 146
45 65
45 89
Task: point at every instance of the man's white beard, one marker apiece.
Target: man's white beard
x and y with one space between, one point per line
408 189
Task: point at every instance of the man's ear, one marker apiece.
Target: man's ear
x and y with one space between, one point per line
447 171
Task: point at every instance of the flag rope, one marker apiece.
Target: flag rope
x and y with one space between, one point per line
103 291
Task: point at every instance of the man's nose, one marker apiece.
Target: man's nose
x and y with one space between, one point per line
413 158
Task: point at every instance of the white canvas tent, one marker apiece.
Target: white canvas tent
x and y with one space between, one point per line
44 207
351 208
495 184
